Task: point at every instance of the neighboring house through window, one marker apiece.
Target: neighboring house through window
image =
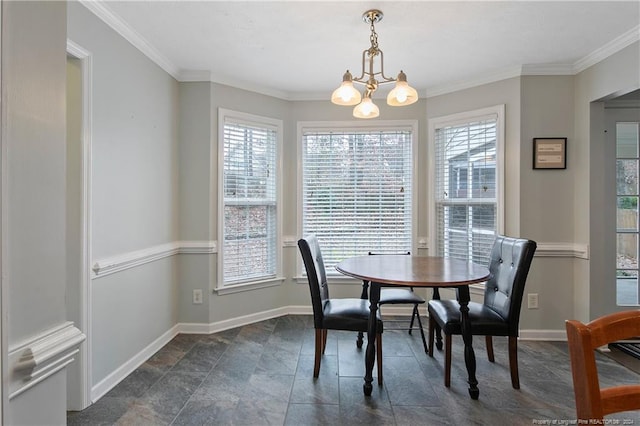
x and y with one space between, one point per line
249 219
467 183
357 187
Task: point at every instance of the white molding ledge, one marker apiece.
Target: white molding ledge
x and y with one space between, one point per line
39 358
110 265
578 250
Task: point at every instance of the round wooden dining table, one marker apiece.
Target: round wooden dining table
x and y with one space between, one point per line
416 271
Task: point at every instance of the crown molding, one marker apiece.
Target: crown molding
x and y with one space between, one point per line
548 69
614 46
99 8
192 76
467 84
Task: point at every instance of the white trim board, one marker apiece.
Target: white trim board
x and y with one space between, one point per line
78 398
577 250
119 374
121 262
128 367
110 265
33 361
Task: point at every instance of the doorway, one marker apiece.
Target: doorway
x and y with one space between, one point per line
622 127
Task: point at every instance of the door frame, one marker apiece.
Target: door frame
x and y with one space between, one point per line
78 399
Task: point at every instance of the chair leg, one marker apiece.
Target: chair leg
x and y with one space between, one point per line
424 341
379 357
447 360
489 344
319 350
414 314
431 329
513 361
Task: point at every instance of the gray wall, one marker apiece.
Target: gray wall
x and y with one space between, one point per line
34 176
134 192
546 198
196 202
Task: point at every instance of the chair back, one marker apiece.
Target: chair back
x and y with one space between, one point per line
508 266
316 275
591 401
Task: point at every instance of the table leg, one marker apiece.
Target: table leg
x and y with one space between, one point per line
469 355
436 296
364 295
370 354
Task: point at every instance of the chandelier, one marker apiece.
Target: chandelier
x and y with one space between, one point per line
402 94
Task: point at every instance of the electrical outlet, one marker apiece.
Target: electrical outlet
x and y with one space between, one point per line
197 297
532 300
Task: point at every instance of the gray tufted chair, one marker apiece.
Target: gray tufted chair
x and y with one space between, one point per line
333 314
499 314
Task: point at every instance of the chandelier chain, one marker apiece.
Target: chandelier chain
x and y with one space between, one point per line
373 38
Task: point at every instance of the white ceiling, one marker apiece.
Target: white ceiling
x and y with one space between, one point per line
300 49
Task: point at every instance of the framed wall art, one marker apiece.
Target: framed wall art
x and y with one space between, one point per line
550 153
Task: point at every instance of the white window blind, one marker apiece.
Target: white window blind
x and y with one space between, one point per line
357 191
249 185
466 189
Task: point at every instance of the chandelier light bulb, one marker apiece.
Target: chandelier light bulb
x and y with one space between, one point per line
402 94
366 109
346 94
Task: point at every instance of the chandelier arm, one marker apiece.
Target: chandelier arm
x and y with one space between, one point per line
385 78
361 78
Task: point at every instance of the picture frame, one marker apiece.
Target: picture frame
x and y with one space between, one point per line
549 153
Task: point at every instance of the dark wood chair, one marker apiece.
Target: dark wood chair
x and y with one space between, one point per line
333 314
499 314
400 296
592 401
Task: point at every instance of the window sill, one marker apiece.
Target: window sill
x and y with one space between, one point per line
253 285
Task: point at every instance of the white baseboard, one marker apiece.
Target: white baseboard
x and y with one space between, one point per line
214 327
109 382
549 335
203 328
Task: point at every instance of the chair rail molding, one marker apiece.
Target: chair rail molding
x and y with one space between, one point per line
121 262
578 250
33 361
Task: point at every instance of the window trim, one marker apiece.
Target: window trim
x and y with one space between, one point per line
226 115
457 119
344 126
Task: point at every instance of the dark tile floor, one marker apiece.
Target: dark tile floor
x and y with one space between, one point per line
261 374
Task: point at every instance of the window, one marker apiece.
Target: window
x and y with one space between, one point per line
357 188
249 224
466 192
